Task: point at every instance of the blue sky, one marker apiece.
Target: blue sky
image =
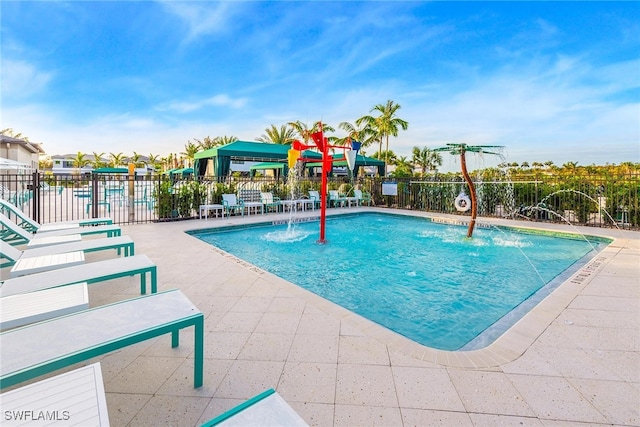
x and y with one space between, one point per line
547 80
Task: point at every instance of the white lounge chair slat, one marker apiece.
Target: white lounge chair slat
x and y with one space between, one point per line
54 227
42 263
22 309
119 242
39 241
76 398
110 230
90 273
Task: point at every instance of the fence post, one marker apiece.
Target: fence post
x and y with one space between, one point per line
35 188
132 192
94 195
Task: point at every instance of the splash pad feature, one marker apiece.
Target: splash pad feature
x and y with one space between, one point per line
461 149
322 145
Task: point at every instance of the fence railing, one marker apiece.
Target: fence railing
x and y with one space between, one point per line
611 201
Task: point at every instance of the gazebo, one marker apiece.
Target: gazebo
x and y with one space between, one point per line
267 156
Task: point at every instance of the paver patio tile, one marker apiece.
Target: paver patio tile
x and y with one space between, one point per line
368 385
489 393
555 398
355 415
169 411
426 388
308 382
247 378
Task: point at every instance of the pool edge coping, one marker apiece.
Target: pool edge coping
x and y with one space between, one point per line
509 346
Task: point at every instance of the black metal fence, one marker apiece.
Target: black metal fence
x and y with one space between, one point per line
601 201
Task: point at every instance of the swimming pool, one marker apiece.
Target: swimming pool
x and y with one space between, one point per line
421 279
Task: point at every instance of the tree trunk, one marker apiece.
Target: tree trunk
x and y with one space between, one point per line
472 190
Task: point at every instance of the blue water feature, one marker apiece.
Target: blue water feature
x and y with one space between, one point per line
423 280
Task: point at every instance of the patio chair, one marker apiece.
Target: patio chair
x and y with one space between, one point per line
11 233
266 409
315 196
48 188
336 199
231 203
269 201
362 197
44 347
251 200
78 394
94 272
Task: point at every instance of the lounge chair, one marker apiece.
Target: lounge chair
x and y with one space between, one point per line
94 272
75 398
231 203
13 255
22 309
28 224
19 266
266 409
11 233
44 347
269 201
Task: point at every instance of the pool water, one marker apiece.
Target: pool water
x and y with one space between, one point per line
421 279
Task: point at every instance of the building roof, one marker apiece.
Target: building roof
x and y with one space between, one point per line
30 146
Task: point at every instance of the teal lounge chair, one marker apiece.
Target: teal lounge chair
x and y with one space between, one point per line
44 347
12 255
94 272
266 409
11 233
28 224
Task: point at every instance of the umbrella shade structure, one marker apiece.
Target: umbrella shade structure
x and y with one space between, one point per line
182 171
278 168
110 170
244 151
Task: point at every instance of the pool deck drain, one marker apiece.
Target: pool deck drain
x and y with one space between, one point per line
575 358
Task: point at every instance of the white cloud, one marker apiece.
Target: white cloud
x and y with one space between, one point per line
202 18
21 79
221 100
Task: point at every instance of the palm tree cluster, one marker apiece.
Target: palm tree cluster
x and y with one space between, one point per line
369 129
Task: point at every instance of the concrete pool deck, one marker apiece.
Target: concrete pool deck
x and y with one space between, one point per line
573 360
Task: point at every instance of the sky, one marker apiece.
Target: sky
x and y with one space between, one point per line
556 81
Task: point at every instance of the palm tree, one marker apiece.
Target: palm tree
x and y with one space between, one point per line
358 132
404 168
116 159
97 160
80 161
426 159
386 124
190 150
224 140
154 161
284 135
135 159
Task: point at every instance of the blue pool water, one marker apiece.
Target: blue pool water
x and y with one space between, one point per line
423 280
